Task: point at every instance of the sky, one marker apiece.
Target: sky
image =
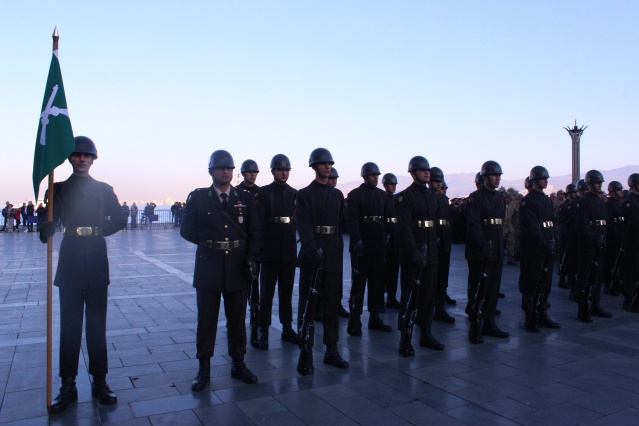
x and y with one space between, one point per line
159 85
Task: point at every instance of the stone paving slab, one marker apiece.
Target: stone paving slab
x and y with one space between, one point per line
581 374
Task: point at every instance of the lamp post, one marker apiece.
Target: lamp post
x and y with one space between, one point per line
575 135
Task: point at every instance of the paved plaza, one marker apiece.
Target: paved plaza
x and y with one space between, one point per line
581 374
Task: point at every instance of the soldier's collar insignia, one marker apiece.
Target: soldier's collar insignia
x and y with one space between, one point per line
210 194
400 198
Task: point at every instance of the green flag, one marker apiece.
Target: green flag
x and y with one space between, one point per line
54 142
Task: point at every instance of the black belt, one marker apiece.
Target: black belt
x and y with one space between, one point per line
281 220
547 224
424 223
618 219
326 230
82 231
391 219
495 221
443 222
222 245
598 222
375 219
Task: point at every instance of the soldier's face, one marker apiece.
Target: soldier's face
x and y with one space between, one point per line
443 190
81 163
332 182
250 177
437 186
280 175
323 170
541 183
371 179
421 176
595 187
390 188
221 175
492 181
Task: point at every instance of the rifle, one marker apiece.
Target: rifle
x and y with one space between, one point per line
479 302
634 303
532 321
307 329
563 268
408 318
615 276
254 308
354 298
591 281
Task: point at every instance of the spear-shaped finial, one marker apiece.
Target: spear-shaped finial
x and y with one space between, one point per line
55 36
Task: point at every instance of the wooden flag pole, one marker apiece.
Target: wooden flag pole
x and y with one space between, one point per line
50 267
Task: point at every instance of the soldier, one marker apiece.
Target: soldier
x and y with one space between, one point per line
537 251
82 276
454 216
631 244
319 216
222 221
278 252
573 237
391 259
444 238
365 221
564 253
485 248
591 228
417 214
249 171
332 181
615 230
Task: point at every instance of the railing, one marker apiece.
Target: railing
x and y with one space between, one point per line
160 219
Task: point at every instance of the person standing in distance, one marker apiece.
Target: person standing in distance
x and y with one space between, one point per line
320 217
332 181
391 260
82 276
249 172
278 251
222 221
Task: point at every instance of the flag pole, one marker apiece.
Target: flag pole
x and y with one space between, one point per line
49 200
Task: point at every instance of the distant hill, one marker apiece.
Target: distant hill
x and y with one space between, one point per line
462 184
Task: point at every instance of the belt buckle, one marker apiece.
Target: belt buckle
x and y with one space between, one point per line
84 231
223 245
285 220
325 229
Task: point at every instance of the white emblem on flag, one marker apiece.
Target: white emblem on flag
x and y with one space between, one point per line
50 110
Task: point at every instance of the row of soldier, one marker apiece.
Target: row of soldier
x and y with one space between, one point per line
243 233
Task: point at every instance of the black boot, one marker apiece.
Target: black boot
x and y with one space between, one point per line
392 303
583 314
449 301
442 316
491 329
203 375
598 311
68 394
354 327
406 350
332 357
100 390
343 312
474 333
562 282
545 321
240 371
262 340
426 340
289 335
376 323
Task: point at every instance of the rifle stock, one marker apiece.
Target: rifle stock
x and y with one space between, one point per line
410 312
254 307
307 330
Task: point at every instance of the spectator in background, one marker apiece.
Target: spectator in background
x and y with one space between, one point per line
5 215
126 211
30 214
134 216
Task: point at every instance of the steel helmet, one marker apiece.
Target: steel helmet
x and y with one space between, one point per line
320 155
615 186
418 163
479 179
249 166
539 172
84 145
370 169
436 174
633 179
280 161
389 179
334 174
594 176
221 159
491 168
528 183
444 184
570 188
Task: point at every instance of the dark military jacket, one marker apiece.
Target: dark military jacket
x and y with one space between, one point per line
414 204
253 190
571 222
484 206
84 201
443 226
590 209
278 240
616 224
562 213
631 217
321 205
390 224
205 220
363 203
536 216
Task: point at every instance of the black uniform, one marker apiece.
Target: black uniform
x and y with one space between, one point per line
30 214
320 217
444 235
85 206
591 217
253 190
278 250
615 231
391 257
631 245
226 239
485 213
365 222
417 214
537 245
572 258
562 213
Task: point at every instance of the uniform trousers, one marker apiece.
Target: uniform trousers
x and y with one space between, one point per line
589 272
368 268
612 250
73 305
282 275
493 282
533 279
443 269
426 294
208 310
391 274
328 286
